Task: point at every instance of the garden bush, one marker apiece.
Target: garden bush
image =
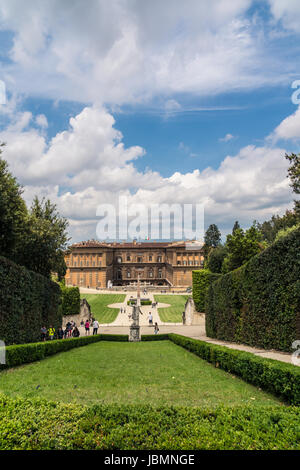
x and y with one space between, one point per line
280 378
259 303
19 354
36 424
153 337
70 300
201 282
28 301
143 302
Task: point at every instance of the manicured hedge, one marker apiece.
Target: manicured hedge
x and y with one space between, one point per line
280 378
143 302
153 337
259 303
70 300
17 355
28 301
31 424
201 282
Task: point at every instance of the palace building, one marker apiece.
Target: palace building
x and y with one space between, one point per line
100 265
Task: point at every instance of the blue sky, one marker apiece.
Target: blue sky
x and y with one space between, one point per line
163 103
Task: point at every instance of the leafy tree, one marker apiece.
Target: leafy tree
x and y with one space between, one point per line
241 246
212 239
284 232
12 211
44 240
294 175
236 226
212 236
270 228
34 238
216 258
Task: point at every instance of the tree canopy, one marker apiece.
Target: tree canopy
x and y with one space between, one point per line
34 238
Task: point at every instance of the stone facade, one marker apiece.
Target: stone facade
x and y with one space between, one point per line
95 264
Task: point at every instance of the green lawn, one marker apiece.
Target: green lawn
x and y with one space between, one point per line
156 373
99 306
172 314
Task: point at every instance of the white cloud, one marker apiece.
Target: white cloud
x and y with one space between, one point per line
42 121
87 165
227 138
288 12
127 50
288 129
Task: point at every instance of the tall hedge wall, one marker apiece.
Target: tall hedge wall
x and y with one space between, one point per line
259 303
70 300
28 301
201 282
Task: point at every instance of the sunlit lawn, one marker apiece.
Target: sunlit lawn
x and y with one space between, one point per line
99 306
172 314
148 372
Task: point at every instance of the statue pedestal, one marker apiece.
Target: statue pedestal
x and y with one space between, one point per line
134 333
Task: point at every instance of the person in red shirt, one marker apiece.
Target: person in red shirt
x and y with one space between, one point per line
87 327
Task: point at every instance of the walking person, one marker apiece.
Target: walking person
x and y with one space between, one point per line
156 329
150 319
95 327
87 327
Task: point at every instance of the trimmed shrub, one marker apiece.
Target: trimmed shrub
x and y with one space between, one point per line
158 337
17 355
70 300
276 377
28 301
259 303
34 424
201 282
143 302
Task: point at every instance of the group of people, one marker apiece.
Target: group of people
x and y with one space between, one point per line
87 325
70 331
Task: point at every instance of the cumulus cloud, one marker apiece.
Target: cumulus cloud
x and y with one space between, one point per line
288 12
288 129
128 51
88 164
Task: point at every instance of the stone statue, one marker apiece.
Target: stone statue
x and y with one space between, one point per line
134 332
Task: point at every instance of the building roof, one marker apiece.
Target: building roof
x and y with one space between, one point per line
128 245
